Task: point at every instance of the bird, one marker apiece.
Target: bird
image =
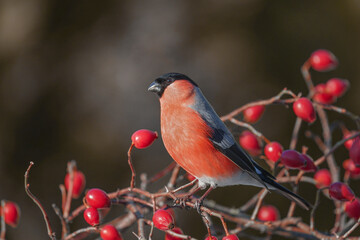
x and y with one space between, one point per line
197 139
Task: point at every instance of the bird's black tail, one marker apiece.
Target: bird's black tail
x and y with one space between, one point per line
286 193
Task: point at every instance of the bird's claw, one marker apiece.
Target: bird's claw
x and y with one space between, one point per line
181 202
198 205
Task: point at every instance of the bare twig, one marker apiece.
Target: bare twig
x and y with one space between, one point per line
37 202
133 174
64 225
275 99
3 225
70 168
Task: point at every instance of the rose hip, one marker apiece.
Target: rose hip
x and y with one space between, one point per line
143 138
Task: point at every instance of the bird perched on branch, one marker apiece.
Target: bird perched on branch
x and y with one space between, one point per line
200 143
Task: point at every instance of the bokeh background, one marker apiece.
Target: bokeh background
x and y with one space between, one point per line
74 78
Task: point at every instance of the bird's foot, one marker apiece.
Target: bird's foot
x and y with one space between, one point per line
198 205
181 201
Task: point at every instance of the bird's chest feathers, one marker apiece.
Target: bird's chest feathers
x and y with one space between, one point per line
183 129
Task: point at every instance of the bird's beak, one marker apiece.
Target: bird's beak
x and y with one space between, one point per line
155 87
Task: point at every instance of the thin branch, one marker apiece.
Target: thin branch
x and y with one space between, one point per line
64 225
275 99
37 202
133 174
3 224
70 168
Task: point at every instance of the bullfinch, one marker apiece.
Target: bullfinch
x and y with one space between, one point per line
200 143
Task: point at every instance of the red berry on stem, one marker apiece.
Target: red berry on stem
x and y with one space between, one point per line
292 159
91 216
143 138
324 98
340 191
170 237
268 213
97 198
230 237
250 143
346 134
354 152
337 86
352 208
310 165
109 232
323 60
11 213
322 178
320 88
254 113
273 151
163 220
349 166
304 109
170 210
78 183
212 238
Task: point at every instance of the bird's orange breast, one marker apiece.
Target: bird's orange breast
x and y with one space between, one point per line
186 137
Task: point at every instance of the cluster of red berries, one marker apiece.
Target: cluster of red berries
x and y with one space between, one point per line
323 60
95 200
11 213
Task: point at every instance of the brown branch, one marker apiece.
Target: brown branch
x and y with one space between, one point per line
3 224
64 225
334 170
70 168
133 174
78 234
275 99
37 202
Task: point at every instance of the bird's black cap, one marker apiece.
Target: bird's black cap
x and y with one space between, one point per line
161 83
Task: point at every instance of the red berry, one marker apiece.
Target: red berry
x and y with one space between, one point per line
230 237
349 165
352 208
340 191
268 213
320 88
273 151
337 86
212 238
323 60
292 159
109 232
91 216
97 198
350 142
322 178
170 237
253 114
170 210
354 152
190 177
78 183
143 138
163 220
324 98
304 109
310 166
11 213
250 143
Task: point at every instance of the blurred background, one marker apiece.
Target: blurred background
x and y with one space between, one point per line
74 78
